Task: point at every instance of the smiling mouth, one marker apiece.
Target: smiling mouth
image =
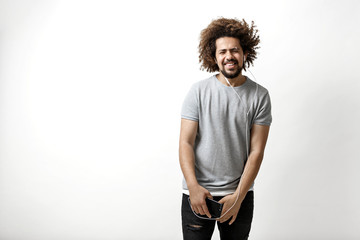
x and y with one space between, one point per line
230 64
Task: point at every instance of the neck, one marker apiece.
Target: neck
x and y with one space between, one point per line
234 82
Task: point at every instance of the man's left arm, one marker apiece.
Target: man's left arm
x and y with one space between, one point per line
258 138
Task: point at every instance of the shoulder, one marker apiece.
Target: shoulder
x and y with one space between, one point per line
260 90
202 85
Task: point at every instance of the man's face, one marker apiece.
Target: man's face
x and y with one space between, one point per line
229 56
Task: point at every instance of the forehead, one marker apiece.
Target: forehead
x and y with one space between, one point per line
227 43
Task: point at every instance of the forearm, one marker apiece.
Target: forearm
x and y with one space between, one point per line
187 163
249 174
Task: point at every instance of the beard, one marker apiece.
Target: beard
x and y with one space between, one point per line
231 75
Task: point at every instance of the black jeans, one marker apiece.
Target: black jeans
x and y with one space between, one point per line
201 229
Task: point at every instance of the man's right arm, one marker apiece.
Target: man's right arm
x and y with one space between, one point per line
198 193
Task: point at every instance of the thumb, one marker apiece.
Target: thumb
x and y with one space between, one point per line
209 195
222 201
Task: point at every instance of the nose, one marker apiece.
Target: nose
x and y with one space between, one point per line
229 55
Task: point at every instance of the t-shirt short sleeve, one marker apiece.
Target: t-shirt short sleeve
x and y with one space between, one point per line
263 113
190 107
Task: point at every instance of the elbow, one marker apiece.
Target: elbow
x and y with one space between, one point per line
184 148
185 144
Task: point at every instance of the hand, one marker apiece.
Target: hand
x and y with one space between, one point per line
197 199
228 202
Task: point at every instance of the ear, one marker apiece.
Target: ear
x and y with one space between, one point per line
245 56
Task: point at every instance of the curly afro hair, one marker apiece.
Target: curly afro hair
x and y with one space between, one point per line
224 27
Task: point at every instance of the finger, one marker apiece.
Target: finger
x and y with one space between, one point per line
201 211
224 220
206 211
233 219
222 217
223 200
195 209
224 211
209 195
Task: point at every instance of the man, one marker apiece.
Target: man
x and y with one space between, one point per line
224 128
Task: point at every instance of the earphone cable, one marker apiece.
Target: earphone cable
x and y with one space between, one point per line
247 145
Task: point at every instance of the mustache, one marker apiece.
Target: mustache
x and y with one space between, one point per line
231 60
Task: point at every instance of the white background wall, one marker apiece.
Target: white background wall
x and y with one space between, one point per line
90 98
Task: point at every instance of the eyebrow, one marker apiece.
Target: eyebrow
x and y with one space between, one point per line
224 49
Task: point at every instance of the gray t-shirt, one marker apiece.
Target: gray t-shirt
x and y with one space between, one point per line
222 137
